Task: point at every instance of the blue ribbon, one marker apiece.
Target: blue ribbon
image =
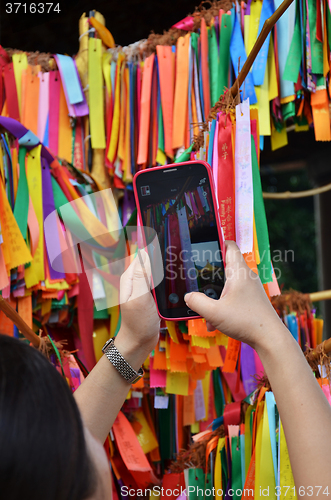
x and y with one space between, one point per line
292 325
271 403
46 134
69 74
260 62
217 423
29 140
211 143
201 92
238 54
285 28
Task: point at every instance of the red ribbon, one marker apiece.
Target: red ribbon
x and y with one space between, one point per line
85 319
54 111
11 92
185 24
1 92
232 415
225 177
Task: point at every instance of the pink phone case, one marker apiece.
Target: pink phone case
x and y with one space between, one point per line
216 211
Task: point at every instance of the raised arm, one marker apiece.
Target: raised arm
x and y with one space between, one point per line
245 313
103 392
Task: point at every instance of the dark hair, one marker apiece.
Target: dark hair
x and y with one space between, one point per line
43 454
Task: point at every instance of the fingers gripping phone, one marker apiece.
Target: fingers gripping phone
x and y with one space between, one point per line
178 202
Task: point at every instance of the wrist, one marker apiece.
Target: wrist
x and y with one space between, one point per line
134 353
274 337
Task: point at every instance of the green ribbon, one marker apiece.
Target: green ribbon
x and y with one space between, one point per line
316 45
252 421
236 480
303 15
196 478
102 314
320 81
119 322
59 304
57 354
161 130
164 417
328 23
288 110
21 208
301 120
73 138
194 45
186 155
213 65
224 56
208 486
224 460
264 267
182 326
293 62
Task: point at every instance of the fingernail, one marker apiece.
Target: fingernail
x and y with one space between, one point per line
187 296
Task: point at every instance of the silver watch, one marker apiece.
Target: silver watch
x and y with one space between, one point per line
121 365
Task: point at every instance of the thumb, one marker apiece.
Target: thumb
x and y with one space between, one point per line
233 258
141 275
205 306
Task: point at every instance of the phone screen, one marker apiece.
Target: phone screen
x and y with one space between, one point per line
177 203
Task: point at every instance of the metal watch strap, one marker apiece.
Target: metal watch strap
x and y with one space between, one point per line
121 365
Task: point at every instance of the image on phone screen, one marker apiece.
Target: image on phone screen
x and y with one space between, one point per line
177 203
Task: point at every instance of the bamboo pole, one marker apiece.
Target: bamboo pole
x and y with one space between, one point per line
317 296
299 194
327 345
20 323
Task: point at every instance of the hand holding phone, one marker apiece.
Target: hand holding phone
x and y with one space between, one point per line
178 203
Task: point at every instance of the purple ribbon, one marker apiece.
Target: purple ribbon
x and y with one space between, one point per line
48 208
19 131
128 206
248 8
248 368
79 108
122 490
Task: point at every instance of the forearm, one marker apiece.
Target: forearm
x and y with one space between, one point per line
303 408
102 394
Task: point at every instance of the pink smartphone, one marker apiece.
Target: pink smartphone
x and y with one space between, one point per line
178 203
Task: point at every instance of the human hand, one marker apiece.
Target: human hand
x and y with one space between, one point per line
243 311
140 322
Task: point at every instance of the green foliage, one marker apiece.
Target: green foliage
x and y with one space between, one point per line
291 226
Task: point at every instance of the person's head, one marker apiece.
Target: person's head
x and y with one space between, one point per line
45 453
